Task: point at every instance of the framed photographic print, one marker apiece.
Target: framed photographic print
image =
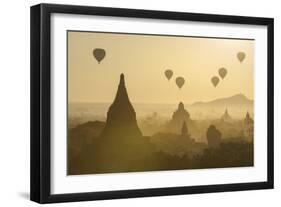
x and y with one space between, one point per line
132 103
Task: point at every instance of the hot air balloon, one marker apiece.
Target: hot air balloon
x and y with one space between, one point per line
99 54
222 72
215 80
168 74
180 82
241 56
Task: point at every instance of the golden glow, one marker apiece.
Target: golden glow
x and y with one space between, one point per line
144 58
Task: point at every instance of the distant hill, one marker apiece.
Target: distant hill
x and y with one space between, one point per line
236 100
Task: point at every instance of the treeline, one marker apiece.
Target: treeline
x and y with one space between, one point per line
232 154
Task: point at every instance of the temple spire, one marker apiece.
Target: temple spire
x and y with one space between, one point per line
226 117
122 95
184 130
122 79
247 115
121 115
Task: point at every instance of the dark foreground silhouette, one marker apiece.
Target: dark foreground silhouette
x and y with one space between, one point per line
119 146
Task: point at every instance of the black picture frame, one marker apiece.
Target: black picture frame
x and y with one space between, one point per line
41 98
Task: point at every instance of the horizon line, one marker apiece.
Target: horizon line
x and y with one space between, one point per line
141 102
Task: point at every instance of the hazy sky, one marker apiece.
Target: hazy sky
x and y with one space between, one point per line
144 58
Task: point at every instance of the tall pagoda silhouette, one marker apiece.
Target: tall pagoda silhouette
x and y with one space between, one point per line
121 116
121 146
